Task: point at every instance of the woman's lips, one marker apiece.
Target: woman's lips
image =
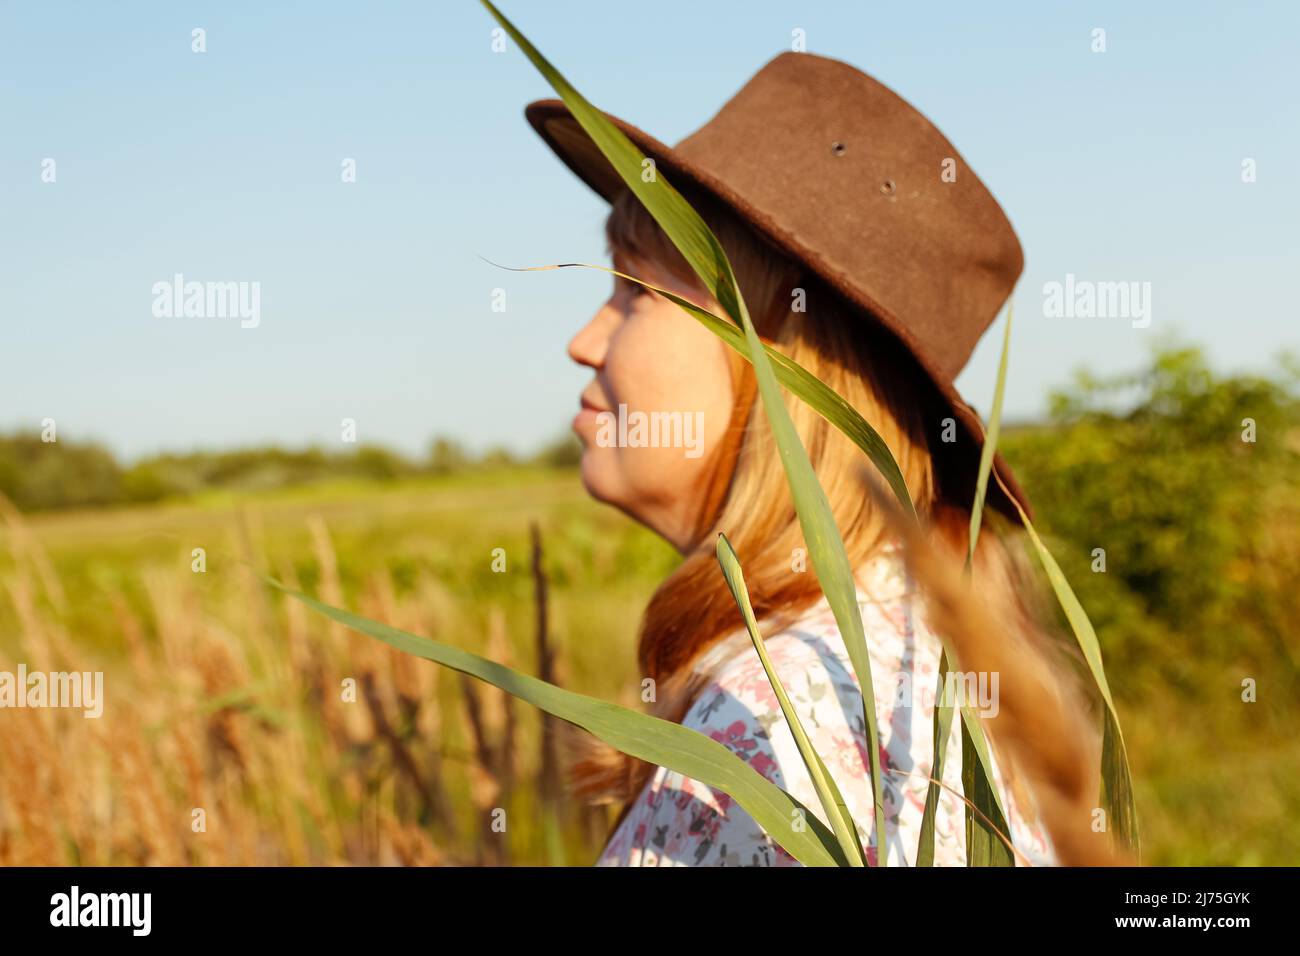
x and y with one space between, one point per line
588 415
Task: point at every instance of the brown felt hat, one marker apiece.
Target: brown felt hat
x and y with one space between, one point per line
847 178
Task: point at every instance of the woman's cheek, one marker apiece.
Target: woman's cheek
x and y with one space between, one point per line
660 367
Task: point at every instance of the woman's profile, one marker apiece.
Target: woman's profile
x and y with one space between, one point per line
871 254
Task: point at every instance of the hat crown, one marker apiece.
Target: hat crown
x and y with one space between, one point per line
873 192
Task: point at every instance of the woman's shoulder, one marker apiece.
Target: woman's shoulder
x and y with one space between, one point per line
737 705
810 646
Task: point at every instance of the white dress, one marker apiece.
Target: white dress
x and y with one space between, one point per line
677 821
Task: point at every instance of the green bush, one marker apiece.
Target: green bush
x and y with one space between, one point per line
1200 525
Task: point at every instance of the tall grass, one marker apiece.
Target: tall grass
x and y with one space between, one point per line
91 588
223 697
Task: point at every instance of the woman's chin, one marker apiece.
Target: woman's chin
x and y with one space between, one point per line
597 477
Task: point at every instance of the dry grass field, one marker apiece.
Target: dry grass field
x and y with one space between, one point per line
224 697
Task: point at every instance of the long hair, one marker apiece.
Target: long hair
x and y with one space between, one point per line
748 498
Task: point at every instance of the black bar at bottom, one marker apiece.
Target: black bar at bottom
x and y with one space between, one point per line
564 906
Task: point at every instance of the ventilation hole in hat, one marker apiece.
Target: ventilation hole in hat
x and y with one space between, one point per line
888 187
837 149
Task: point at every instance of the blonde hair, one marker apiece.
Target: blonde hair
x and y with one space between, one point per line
749 499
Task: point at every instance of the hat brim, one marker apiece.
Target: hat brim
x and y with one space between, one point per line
558 128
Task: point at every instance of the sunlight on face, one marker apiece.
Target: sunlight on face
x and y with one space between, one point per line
661 400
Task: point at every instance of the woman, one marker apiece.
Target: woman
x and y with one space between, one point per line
872 256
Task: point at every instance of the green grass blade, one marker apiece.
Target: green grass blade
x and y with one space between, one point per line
653 739
942 728
683 225
1116 777
701 249
982 847
1117 786
1117 781
832 800
826 549
990 445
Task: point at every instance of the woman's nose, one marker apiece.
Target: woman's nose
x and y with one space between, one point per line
589 345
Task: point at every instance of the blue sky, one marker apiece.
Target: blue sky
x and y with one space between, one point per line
1123 165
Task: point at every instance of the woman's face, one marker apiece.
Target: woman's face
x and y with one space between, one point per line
653 417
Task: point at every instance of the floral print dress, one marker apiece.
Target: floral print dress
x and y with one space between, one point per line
677 821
